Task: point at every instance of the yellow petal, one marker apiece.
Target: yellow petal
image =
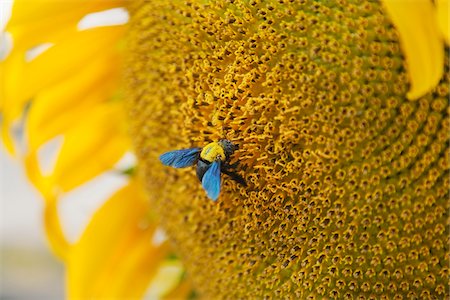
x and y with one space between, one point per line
61 107
92 147
35 175
42 183
7 138
42 27
167 279
115 258
56 64
443 10
181 292
53 230
25 12
11 71
55 235
24 39
421 43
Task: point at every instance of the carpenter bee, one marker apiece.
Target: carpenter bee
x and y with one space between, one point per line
211 161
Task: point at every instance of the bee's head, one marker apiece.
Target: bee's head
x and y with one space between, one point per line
228 147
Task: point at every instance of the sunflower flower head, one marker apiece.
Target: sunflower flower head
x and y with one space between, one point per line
347 187
340 110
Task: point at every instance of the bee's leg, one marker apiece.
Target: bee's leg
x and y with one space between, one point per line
235 176
228 166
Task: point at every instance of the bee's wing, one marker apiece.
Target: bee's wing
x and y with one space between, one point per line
211 180
180 158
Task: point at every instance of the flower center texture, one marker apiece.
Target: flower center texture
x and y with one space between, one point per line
347 179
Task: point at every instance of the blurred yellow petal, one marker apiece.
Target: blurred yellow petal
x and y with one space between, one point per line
59 62
53 230
182 291
421 43
37 22
11 72
443 10
7 138
27 12
138 267
115 257
52 225
92 147
167 279
26 37
61 107
35 175
34 29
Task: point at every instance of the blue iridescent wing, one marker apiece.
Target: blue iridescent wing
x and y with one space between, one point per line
180 158
211 181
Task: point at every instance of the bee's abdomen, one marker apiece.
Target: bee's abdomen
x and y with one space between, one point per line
202 167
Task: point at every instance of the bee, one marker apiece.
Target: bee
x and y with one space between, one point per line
211 161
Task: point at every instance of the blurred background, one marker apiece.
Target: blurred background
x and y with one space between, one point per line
28 270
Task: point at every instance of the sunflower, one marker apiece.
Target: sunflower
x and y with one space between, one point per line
340 110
